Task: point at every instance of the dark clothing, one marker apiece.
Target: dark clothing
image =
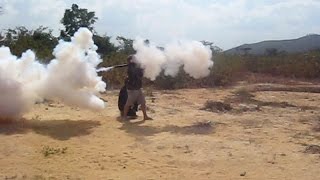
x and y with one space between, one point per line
123 96
122 99
135 74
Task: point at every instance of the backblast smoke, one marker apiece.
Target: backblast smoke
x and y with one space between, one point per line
71 77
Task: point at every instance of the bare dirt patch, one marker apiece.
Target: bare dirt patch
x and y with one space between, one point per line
270 138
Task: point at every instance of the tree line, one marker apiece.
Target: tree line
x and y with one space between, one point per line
42 41
226 70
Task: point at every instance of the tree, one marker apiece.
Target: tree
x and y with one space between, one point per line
75 18
126 45
105 47
21 39
214 49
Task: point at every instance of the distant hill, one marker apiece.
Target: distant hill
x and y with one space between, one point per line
303 44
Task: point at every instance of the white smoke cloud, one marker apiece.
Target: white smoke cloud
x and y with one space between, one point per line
71 77
150 58
12 101
193 56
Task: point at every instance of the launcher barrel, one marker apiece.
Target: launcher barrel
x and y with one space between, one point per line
119 66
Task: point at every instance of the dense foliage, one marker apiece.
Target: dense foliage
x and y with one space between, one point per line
20 39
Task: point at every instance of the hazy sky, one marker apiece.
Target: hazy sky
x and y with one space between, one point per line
227 23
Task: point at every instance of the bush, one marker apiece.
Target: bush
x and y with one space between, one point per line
302 65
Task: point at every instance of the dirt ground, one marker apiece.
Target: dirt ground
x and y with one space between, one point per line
269 135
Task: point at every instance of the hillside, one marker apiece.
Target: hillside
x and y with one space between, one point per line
303 44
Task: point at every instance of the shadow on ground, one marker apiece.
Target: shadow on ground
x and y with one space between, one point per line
137 128
56 129
243 101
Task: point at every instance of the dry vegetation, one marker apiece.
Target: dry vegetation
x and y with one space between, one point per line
282 68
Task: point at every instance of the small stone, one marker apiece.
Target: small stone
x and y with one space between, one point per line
243 174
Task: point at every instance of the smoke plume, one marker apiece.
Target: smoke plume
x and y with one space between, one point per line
194 57
71 77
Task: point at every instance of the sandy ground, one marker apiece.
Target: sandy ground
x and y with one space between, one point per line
55 141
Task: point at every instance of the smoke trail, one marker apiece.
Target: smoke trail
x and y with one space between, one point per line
193 56
71 77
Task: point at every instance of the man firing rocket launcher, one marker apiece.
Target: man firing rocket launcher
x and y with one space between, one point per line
123 94
130 95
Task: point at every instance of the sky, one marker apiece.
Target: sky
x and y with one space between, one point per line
227 23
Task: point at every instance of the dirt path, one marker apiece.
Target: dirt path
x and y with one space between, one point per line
182 142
